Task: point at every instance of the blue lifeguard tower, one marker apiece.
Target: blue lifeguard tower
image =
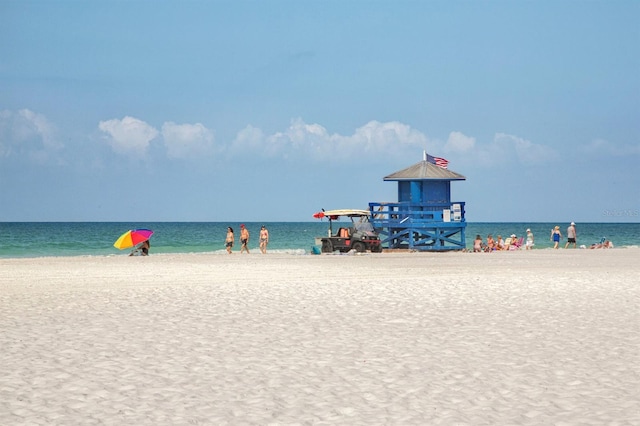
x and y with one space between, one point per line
424 218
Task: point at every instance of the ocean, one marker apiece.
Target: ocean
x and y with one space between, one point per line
40 239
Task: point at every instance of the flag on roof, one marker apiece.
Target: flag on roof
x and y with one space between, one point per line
438 161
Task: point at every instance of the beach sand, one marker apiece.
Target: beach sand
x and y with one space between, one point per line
547 337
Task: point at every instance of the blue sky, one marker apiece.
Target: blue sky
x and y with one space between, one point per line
270 111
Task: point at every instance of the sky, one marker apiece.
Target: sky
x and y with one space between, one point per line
270 111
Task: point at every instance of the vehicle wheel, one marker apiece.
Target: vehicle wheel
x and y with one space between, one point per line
376 249
359 246
327 247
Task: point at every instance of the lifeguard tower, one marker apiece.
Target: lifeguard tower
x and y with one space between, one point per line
424 218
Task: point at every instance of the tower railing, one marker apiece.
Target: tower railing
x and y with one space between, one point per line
420 226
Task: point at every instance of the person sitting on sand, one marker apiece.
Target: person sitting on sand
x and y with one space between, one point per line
606 244
142 249
491 244
508 241
478 245
500 243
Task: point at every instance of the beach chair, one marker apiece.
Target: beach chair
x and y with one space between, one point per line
507 243
516 245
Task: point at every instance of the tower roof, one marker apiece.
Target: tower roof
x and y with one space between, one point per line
424 170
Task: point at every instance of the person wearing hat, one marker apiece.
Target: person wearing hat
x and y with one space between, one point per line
555 236
529 243
572 236
264 239
244 239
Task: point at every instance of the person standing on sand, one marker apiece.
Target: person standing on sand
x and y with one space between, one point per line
555 236
228 242
572 236
244 239
529 243
264 239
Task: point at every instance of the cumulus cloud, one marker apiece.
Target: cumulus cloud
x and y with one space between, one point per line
504 148
313 141
27 133
186 141
458 142
525 151
128 136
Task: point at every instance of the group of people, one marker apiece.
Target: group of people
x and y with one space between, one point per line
572 236
244 239
510 243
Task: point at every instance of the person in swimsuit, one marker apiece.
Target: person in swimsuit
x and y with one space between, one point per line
229 240
555 236
244 239
478 245
491 244
264 239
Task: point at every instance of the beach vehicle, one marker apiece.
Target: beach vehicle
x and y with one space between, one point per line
358 235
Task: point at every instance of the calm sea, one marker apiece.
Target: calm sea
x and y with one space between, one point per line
37 239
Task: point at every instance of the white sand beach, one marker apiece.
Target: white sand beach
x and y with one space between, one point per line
547 337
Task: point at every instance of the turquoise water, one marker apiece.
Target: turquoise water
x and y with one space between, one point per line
37 239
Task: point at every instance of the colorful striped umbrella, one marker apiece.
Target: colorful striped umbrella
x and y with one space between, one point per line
132 238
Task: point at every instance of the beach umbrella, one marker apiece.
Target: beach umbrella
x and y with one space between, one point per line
132 238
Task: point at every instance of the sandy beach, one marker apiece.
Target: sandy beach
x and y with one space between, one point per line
548 337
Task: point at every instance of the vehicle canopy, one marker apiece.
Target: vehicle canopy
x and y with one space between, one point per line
335 214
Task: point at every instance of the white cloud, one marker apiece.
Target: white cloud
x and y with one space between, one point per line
129 135
502 150
373 140
27 133
187 140
525 151
458 142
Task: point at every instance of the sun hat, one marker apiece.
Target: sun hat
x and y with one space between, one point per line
557 227
513 235
573 223
528 230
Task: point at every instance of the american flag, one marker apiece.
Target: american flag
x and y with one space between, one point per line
438 161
